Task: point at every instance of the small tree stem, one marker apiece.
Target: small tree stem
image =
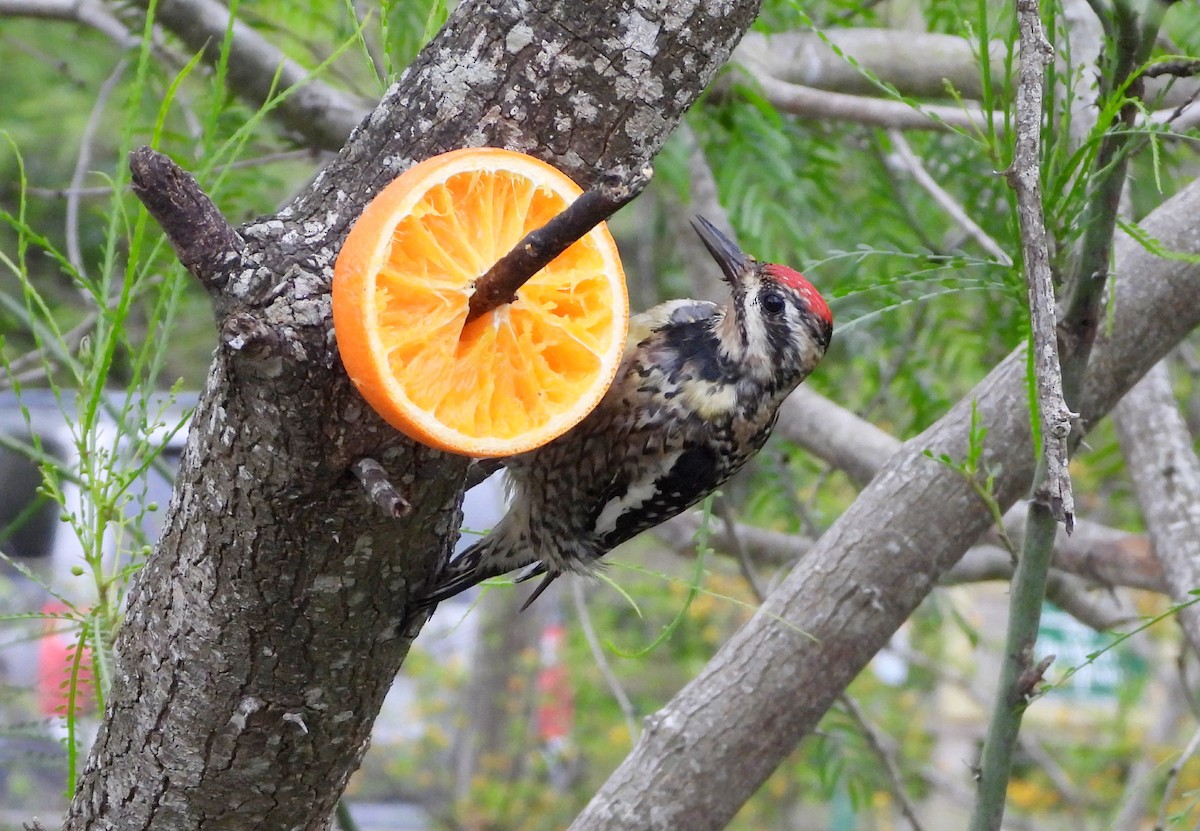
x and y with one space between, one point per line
204 241
539 247
374 480
1020 673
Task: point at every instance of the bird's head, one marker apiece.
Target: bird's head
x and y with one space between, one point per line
779 326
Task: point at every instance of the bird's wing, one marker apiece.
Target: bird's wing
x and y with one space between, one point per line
677 312
657 493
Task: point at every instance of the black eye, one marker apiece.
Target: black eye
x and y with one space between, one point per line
772 303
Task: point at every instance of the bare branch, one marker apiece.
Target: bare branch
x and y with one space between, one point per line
1173 778
1184 117
1178 68
379 488
1052 501
1102 610
83 163
886 753
745 565
924 65
1073 591
88 12
908 160
197 231
540 246
876 112
836 435
1054 488
38 363
602 664
1158 449
860 449
917 64
258 70
1141 781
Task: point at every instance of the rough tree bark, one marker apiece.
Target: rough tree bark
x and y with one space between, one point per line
267 625
1162 462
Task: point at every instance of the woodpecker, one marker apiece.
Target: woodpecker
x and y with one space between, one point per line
696 395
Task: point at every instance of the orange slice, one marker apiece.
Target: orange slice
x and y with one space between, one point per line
512 379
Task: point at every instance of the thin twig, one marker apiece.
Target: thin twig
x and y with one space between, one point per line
1128 49
1029 579
65 193
886 756
1024 176
379 487
811 103
1173 778
606 671
905 155
540 246
40 362
1183 117
1141 780
84 161
1184 68
87 12
1030 746
739 548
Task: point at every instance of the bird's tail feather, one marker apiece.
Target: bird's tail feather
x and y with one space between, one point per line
541 587
468 569
463 572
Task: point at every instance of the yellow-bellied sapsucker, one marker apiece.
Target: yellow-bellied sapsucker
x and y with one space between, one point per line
697 395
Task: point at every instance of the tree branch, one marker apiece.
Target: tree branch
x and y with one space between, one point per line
259 71
916 64
204 242
1071 584
1051 497
876 563
1024 175
860 449
887 757
500 284
88 12
913 166
876 112
1159 454
380 489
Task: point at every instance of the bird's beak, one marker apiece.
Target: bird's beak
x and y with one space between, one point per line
724 250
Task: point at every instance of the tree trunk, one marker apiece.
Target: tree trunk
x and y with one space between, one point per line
267 625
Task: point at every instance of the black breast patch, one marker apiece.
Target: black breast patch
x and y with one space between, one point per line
694 345
693 476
